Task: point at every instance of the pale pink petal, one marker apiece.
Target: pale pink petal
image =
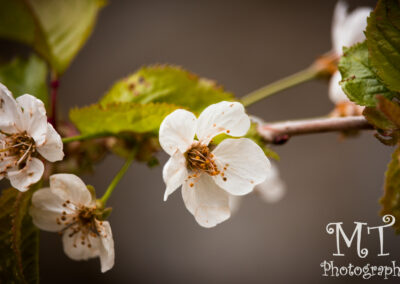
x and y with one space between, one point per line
52 148
106 251
338 20
8 111
336 93
71 187
348 29
177 131
206 201
7 163
243 164
223 117
174 173
46 208
74 249
33 118
273 188
30 174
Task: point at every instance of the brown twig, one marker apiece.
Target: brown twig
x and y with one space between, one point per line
280 132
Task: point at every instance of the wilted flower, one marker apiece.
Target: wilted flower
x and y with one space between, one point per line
209 176
68 207
25 135
347 30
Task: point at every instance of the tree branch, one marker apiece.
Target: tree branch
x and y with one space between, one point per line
280 132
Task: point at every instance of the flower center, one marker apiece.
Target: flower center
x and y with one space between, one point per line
18 146
82 223
200 158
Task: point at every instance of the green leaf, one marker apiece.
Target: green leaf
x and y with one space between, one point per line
19 239
169 84
26 76
383 39
55 29
64 26
391 198
120 117
360 83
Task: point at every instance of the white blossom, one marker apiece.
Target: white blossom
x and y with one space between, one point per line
347 30
25 136
209 176
273 189
68 207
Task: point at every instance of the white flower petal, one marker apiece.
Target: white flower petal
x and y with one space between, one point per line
336 93
174 173
223 117
70 187
8 110
206 201
107 253
74 249
52 148
46 208
177 131
348 29
30 174
245 162
33 118
272 189
338 20
6 163
101 245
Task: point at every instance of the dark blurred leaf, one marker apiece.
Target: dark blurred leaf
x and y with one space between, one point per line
19 239
391 198
388 138
378 119
26 76
16 22
360 83
120 117
383 39
169 84
55 29
390 109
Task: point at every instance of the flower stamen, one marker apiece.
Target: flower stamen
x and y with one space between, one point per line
19 147
199 158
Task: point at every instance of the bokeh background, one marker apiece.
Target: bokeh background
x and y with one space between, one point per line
243 45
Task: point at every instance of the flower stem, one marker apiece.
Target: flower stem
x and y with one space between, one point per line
280 132
85 137
117 178
300 77
54 84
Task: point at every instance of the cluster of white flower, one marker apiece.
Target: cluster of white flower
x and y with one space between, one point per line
67 205
211 176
